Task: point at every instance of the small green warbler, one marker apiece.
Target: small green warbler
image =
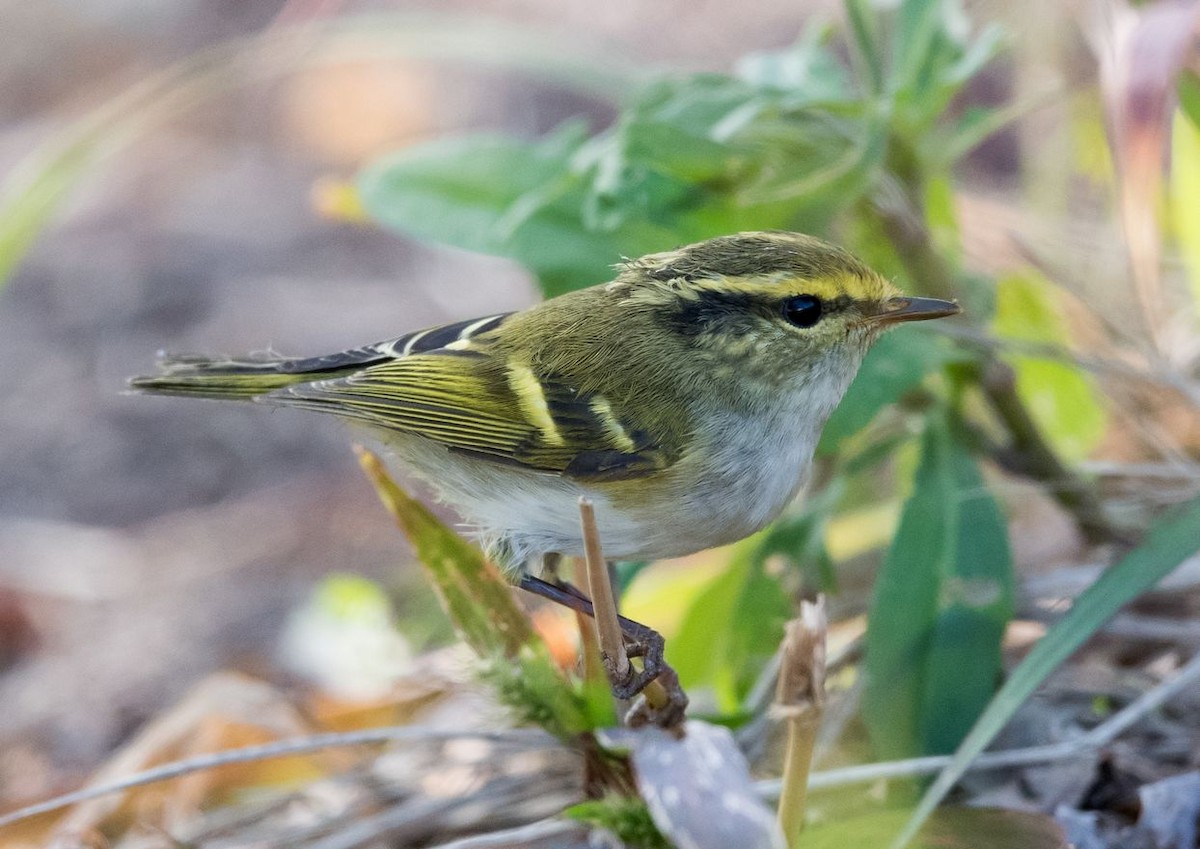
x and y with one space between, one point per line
684 398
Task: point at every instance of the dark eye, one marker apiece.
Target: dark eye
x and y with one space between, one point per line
802 310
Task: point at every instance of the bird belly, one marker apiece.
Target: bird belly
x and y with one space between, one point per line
730 486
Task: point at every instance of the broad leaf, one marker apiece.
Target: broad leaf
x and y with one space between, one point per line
697 787
731 630
941 603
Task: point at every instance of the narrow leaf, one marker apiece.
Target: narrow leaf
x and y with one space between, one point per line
1171 540
941 603
477 598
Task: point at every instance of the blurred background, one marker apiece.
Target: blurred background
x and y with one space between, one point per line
145 542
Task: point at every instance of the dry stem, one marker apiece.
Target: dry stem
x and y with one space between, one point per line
800 699
612 643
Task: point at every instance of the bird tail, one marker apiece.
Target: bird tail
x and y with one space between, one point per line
246 378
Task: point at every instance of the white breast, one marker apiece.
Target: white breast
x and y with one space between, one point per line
743 469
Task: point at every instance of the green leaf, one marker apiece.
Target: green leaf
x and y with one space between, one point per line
1059 396
867 46
897 364
1171 540
480 604
732 629
1184 187
941 603
809 67
949 828
627 817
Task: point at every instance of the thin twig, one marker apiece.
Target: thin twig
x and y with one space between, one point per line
522 835
800 699
612 644
1097 738
900 217
277 749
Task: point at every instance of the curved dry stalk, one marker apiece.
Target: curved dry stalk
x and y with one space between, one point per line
267 751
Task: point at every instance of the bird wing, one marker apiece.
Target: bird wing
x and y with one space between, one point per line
457 388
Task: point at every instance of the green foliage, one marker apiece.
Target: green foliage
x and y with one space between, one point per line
1058 395
941 603
625 816
792 141
730 630
1171 540
480 604
537 694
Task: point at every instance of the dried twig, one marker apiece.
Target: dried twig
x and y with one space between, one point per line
1099 737
277 749
800 700
612 644
662 706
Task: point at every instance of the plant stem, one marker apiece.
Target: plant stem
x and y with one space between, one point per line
800 699
1030 453
604 605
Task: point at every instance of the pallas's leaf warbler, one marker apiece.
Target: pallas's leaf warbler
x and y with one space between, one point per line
684 398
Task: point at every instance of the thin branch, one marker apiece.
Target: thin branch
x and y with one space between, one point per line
800 700
522 835
1099 737
901 220
267 751
608 627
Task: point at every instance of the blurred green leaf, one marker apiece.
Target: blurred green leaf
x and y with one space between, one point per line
948 828
477 598
1184 185
941 602
810 66
480 604
627 817
731 630
1058 395
897 364
1171 540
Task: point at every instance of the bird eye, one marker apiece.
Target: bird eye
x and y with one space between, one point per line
802 310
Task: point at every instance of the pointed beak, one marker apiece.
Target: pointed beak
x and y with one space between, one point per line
896 310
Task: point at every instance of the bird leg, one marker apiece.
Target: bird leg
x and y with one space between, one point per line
640 640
